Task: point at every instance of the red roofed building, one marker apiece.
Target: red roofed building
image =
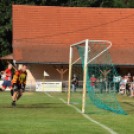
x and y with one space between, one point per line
42 36
7 57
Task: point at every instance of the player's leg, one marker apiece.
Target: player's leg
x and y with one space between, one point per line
15 95
20 94
4 85
22 89
14 98
11 91
9 85
16 90
2 88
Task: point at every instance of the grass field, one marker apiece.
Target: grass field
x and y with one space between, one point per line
37 113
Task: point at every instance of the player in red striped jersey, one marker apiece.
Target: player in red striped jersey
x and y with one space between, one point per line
7 80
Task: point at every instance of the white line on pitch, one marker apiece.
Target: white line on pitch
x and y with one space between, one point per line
48 94
89 118
86 116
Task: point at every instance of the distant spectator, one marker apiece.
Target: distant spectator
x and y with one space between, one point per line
100 79
74 82
116 81
129 80
133 78
2 75
129 74
103 84
123 84
93 80
132 89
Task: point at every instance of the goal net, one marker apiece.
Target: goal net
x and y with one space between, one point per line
91 74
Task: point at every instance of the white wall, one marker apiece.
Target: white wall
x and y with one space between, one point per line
36 72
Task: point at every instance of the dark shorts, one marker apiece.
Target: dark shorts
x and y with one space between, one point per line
128 86
17 87
6 84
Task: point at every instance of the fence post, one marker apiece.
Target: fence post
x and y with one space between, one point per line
125 89
106 86
114 87
131 88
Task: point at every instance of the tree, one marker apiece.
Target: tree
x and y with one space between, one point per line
129 3
5 30
6 25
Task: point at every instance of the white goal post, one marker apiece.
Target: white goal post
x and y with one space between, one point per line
86 62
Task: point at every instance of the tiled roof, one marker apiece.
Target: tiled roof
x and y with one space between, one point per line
44 34
7 57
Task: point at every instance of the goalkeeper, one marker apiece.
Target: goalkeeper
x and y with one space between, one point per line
19 83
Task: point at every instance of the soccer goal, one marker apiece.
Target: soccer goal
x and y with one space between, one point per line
91 74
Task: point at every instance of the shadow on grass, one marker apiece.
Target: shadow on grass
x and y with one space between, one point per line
128 107
30 107
37 105
128 103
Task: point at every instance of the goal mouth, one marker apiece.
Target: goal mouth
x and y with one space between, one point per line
91 63
96 48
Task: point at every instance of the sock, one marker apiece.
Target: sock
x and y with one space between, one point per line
0 89
11 92
14 101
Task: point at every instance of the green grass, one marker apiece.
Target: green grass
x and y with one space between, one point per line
36 113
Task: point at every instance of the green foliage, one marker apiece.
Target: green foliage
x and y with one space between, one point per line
130 3
113 3
5 30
